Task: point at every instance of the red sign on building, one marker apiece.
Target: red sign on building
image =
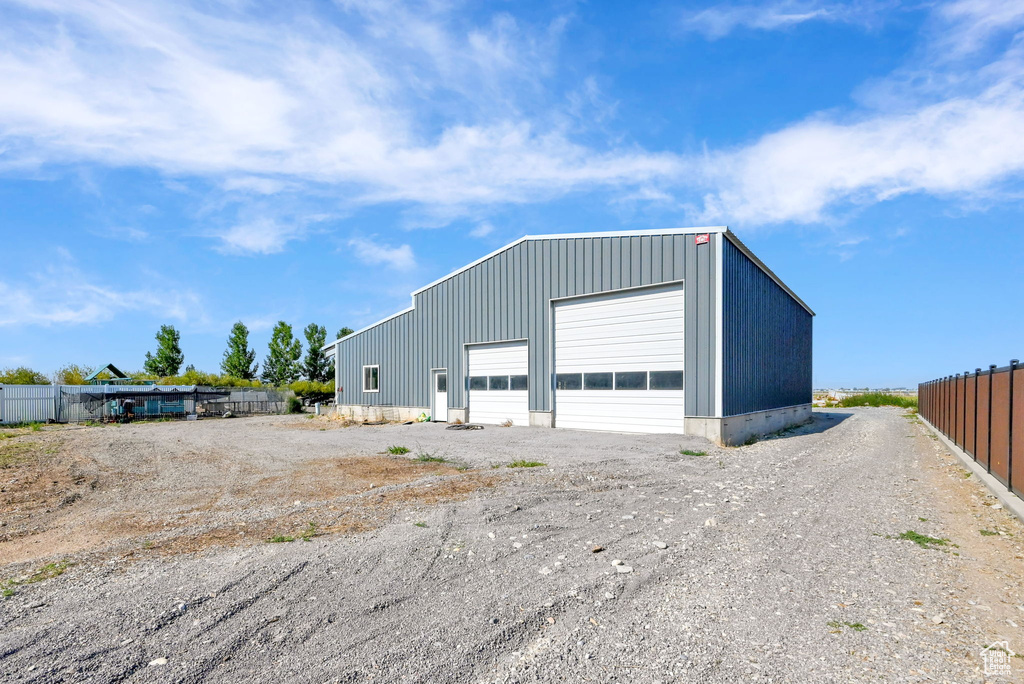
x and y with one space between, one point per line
702 239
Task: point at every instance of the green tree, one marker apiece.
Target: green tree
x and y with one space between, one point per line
22 376
281 366
72 374
168 358
316 367
344 332
238 358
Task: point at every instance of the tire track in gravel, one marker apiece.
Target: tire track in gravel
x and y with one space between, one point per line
400 603
640 584
799 527
831 481
645 585
240 633
532 634
881 494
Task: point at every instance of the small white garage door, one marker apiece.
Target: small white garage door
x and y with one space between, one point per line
619 361
498 383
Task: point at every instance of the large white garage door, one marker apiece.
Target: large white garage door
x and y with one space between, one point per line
498 383
619 361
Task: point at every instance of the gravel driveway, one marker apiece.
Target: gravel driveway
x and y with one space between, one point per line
775 562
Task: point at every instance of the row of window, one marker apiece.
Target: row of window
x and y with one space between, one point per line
625 380
516 383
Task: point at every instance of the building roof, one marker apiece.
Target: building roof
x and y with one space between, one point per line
723 230
109 368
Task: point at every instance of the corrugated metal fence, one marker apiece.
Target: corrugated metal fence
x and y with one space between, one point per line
81 403
982 412
63 403
28 403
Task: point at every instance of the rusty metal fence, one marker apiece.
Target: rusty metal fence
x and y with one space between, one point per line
982 412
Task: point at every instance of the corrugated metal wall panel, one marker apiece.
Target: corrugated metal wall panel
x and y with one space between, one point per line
507 297
28 403
767 340
40 403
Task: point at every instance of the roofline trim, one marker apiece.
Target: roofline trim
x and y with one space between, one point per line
723 230
564 236
771 274
328 347
525 238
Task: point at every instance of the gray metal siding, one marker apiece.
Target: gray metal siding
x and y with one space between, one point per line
767 338
508 297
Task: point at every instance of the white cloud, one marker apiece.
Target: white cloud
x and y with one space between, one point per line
969 24
255 184
953 132
262 105
259 323
482 230
405 103
370 251
589 102
62 294
955 147
721 20
260 236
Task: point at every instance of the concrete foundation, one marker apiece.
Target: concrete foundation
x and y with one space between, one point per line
730 431
736 430
541 419
375 413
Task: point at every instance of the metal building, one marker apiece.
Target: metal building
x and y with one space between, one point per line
680 331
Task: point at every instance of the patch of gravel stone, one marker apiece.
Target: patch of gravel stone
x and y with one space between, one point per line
774 562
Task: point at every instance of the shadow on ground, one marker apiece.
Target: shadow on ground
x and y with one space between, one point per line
820 422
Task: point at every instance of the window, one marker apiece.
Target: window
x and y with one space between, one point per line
442 382
568 381
478 382
666 380
633 380
371 378
519 383
497 382
597 381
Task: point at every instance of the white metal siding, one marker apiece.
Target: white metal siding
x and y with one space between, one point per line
625 331
27 403
498 406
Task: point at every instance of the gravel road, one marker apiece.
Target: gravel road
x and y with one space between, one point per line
774 562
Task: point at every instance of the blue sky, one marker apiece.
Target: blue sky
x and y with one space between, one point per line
200 163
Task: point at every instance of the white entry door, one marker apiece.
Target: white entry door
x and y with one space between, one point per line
439 411
619 361
499 383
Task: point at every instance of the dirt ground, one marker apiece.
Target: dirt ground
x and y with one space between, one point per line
120 491
298 549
